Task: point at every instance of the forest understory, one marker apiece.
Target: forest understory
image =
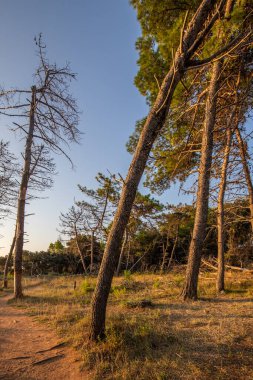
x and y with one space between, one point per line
151 333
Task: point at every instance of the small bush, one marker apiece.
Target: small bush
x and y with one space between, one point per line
86 287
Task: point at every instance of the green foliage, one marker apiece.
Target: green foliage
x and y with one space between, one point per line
173 158
156 284
86 286
40 263
118 291
127 275
56 247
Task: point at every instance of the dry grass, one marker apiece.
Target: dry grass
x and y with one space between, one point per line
208 339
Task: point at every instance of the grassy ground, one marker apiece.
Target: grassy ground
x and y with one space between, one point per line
168 339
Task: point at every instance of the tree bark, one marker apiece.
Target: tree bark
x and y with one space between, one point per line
220 283
196 245
7 262
18 250
92 251
173 249
246 170
151 129
128 254
122 251
80 251
165 247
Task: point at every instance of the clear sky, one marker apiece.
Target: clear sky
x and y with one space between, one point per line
98 39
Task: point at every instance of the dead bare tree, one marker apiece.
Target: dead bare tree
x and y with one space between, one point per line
72 224
50 121
8 179
8 192
7 263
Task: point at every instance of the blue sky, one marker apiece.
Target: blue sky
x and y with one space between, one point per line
98 39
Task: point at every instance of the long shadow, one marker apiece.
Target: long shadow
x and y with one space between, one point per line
27 299
227 300
185 346
43 281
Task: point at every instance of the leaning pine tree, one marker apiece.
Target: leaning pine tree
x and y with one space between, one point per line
194 37
200 222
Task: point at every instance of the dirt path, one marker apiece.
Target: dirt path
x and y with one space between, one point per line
29 350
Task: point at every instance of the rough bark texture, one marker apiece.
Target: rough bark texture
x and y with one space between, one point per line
153 125
220 283
7 263
196 245
18 250
243 153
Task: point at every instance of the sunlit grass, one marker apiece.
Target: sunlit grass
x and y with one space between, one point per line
165 339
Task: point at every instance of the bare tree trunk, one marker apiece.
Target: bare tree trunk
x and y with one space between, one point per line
151 129
243 153
173 249
122 251
7 262
165 247
18 250
128 254
220 283
80 251
196 246
92 251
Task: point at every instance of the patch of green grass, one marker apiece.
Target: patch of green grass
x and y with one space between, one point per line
86 287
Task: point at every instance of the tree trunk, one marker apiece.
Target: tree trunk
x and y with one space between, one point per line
150 131
122 252
173 249
18 250
128 254
91 251
220 283
80 251
7 262
243 153
196 245
165 247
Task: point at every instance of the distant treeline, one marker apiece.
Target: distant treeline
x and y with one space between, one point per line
150 248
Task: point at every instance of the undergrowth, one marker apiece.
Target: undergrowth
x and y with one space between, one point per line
159 337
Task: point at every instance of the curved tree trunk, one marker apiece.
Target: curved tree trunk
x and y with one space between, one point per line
18 250
7 262
220 283
243 153
151 129
196 246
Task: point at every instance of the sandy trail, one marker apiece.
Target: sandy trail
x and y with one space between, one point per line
30 350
